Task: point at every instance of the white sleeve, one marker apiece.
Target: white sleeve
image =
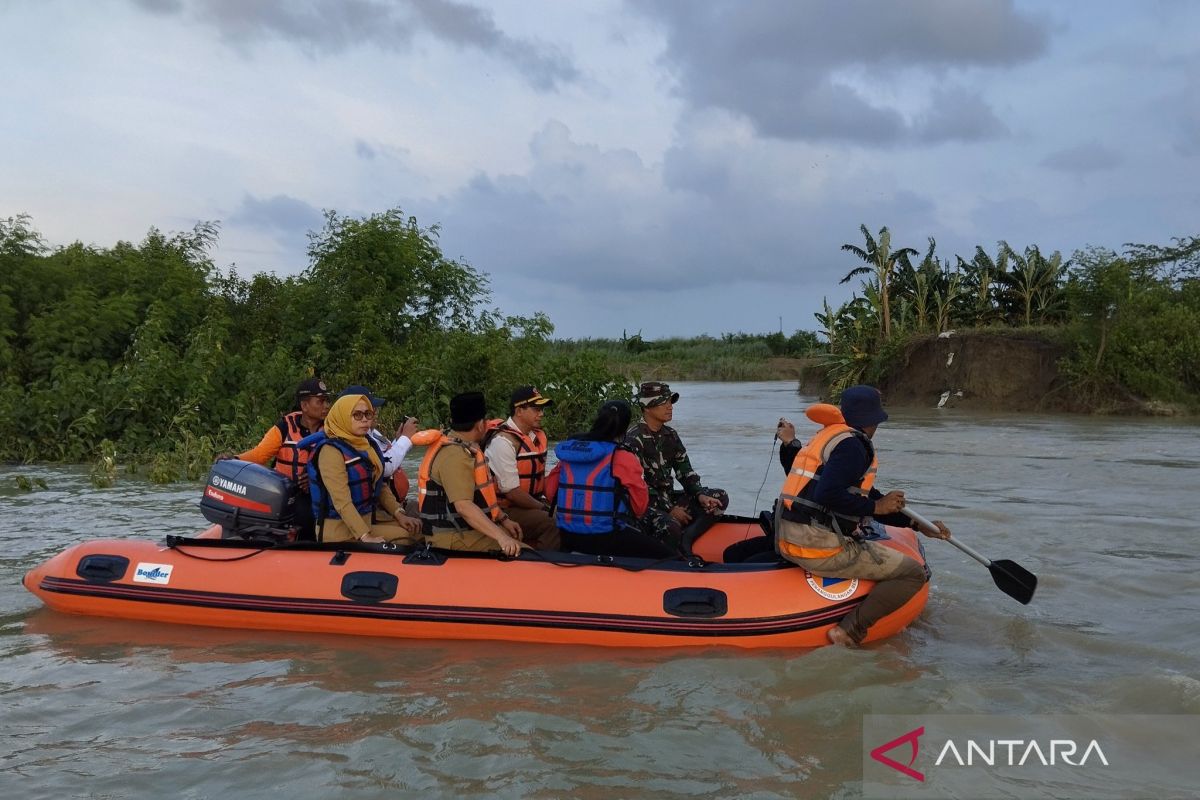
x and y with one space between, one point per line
400 447
391 462
502 458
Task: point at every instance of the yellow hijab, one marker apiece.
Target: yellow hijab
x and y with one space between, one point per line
338 425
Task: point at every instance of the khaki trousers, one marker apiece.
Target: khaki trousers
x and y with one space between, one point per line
336 530
898 578
466 539
538 529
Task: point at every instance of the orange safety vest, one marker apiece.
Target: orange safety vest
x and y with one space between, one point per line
435 510
531 456
290 459
796 497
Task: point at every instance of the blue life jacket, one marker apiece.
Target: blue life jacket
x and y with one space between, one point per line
590 499
363 490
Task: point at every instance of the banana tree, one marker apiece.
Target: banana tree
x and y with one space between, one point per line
1033 284
881 261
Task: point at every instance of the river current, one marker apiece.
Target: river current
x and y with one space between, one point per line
1101 509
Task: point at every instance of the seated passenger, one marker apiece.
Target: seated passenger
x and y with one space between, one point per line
393 450
600 492
516 454
280 447
346 479
457 496
676 518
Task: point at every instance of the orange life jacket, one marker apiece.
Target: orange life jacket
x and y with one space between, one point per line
435 510
531 456
796 498
290 459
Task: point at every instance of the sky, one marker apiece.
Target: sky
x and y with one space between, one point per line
668 167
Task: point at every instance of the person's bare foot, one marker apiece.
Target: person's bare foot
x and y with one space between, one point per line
838 636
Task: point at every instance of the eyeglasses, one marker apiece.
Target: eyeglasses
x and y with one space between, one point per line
363 416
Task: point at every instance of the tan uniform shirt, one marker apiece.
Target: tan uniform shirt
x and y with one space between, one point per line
454 470
337 486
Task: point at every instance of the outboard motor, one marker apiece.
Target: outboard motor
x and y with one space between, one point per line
249 501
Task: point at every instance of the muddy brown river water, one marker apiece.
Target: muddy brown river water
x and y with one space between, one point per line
1101 509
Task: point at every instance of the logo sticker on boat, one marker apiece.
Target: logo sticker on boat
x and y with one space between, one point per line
832 588
153 573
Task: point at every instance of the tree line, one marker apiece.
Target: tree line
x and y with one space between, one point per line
148 356
1128 322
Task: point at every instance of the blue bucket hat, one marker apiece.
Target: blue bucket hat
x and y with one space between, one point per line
862 407
359 389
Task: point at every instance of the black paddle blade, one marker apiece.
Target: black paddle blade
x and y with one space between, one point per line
1014 580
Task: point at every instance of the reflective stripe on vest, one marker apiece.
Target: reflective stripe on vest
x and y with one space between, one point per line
590 499
796 496
435 510
290 459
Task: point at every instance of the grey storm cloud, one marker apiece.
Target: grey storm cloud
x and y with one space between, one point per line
364 150
603 220
335 26
1081 158
286 218
789 66
958 114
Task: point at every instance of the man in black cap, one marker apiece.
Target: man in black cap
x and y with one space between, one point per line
459 507
516 453
280 441
829 493
676 517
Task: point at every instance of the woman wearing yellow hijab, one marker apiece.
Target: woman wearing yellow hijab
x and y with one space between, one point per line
347 487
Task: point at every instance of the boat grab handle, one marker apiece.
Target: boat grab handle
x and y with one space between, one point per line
102 568
369 587
699 602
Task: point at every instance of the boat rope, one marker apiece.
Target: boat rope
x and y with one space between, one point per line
178 547
766 474
611 561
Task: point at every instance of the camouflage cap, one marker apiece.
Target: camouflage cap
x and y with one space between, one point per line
655 393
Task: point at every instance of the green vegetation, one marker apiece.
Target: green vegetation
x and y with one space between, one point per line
149 357
1130 322
732 357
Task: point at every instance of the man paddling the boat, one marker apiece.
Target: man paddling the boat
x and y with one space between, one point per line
829 496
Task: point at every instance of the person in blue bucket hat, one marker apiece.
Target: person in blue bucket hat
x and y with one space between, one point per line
825 508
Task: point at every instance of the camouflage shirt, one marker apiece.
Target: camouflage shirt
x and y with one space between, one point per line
663 458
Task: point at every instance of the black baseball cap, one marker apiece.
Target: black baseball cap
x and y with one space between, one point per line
311 387
528 396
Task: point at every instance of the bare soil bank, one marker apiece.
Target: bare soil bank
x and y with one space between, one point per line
978 370
988 371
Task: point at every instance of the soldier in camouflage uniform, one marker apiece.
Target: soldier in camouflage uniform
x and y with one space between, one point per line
675 517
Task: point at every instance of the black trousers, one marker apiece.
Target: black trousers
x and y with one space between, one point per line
627 542
302 518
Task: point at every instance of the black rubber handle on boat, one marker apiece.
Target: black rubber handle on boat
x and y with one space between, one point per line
1010 577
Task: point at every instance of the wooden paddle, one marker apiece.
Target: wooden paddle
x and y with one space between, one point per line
1012 579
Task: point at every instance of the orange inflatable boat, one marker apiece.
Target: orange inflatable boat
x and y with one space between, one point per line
246 571
540 597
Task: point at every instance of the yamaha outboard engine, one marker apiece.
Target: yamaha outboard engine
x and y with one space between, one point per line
249 501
